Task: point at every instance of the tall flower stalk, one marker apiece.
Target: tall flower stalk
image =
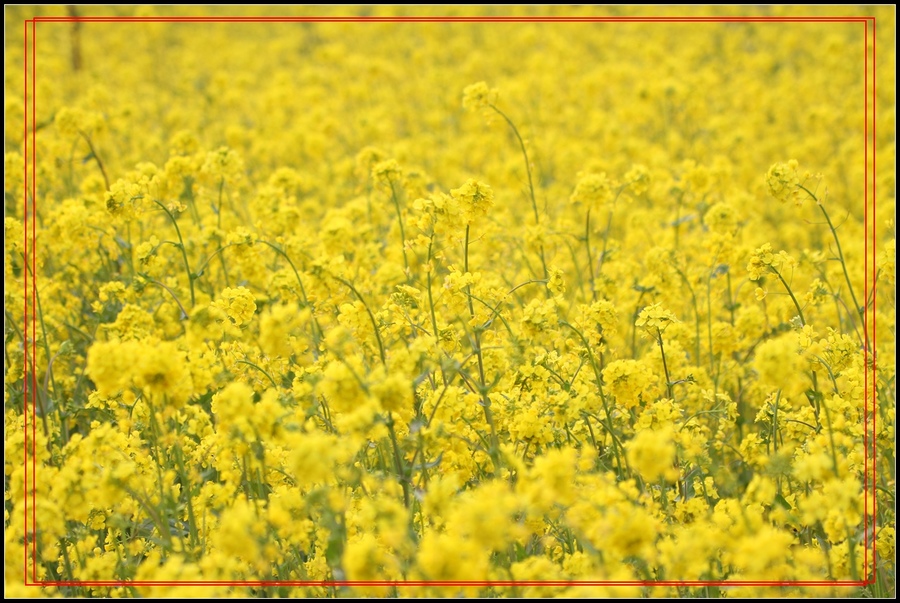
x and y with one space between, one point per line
480 97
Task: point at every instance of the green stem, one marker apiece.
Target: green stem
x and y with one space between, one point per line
696 312
402 230
662 353
840 303
260 369
731 307
130 251
678 217
774 435
587 244
637 311
214 254
525 155
599 379
186 489
791 293
609 220
483 390
434 325
575 266
859 310
428 269
534 207
187 265
96 157
350 286
184 313
834 459
828 415
155 432
398 466
495 310
218 208
63 426
317 330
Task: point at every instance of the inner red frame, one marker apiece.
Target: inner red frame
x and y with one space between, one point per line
30 380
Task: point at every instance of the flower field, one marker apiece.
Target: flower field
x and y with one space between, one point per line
485 309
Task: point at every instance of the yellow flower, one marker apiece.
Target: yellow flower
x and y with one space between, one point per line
394 393
13 179
162 369
223 165
698 178
475 199
885 542
440 213
600 321
886 263
366 159
232 408
556 282
108 365
479 96
638 179
71 122
765 261
655 318
626 380
722 218
342 387
594 190
278 329
387 172
314 456
238 304
783 182
467 561
652 454
122 198
366 559
159 368
144 250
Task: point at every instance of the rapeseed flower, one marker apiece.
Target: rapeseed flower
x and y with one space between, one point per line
288 333
238 304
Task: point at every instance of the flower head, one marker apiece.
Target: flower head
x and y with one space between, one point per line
475 198
384 173
638 178
652 454
594 190
238 303
655 317
764 260
783 182
479 96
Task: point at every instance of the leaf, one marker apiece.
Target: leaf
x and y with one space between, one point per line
781 500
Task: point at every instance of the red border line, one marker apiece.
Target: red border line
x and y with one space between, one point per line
866 296
34 386
874 292
30 382
27 360
462 583
65 19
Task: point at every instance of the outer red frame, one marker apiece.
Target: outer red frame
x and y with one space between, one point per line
30 380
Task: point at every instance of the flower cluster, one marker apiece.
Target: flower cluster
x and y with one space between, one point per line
479 96
783 182
311 326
